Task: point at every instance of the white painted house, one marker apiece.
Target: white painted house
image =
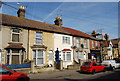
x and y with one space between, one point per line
63 44
109 50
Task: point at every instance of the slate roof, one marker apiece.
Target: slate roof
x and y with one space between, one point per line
30 24
115 42
105 43
14 46
78 33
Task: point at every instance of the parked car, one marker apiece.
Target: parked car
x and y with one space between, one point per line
92 67
111 64
117 61
7 74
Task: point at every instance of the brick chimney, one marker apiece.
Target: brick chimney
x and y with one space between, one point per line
58 21
21 11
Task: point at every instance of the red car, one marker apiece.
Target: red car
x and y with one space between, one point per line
92 67
7 74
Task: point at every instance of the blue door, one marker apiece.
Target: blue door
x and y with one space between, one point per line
57 56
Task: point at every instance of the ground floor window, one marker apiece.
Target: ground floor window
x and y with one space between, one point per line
38 57
15 56
80 55
66 55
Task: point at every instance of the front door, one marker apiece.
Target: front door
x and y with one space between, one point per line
15 59
57 56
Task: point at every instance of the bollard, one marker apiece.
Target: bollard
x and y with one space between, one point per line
32 66
80 62
61 64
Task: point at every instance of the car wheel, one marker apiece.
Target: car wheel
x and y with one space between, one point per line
113 68
20 79
104 70
93 71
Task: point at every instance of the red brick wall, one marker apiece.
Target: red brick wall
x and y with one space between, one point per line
90 42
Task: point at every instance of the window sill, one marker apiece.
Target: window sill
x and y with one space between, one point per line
38 44
42 65
15 43
67 61
86 48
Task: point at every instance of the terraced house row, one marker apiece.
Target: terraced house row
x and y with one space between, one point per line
44 43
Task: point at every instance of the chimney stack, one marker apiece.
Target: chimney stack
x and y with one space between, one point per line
21 12
58 21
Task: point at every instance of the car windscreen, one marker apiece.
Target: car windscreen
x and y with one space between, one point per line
3 70
86 64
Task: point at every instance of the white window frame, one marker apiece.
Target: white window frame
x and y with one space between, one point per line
65 57
15 33
36 51
85 43
92 43
11 54
78 54
40 38
96 43
66 40
78 43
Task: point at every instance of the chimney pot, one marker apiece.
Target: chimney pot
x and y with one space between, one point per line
21 12
58 21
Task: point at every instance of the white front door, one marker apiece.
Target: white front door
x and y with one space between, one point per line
51 58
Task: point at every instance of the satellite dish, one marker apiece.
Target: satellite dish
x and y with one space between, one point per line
18 3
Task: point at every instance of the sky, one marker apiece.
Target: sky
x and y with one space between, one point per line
83 16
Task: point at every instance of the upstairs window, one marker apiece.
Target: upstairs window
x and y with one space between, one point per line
38 39
78 42
92 43
15 35
66 40
96 44
85 43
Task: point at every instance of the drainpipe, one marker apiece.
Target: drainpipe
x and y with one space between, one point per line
28 45
0 56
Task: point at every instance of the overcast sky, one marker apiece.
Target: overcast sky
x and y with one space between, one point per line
83 16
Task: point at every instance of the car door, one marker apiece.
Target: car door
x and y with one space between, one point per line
100 68
95 67
6 75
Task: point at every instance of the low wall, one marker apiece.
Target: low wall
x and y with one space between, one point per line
18 66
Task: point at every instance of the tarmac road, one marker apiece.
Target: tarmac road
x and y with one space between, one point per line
74 75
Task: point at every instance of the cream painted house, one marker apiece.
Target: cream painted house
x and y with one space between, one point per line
14 44
82 48
24 39
41 46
